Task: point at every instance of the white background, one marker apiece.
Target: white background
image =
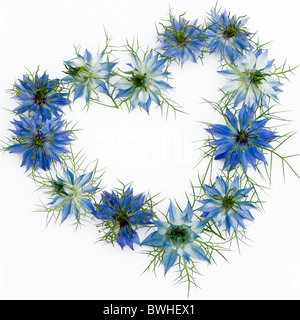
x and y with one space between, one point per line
158 155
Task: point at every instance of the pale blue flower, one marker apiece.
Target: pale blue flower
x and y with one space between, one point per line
73 195
87 74
144 82
178 236
251 79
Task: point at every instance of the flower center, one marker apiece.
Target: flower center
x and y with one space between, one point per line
38 140
180 37
228 202
74 71
242 137
179 235
230 31
138 79
59 188
256 77
80 72
40 95
121 218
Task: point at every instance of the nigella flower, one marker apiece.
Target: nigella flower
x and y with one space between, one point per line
73 194
182 40
121 213
227 34
225 203
251 79
87 74
178 237
144 82
241 140
40 142
40 96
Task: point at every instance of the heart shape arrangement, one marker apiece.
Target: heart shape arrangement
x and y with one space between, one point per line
220 206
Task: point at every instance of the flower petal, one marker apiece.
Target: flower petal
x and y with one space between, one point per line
169 258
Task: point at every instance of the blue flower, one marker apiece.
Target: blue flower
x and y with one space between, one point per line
144 82
87 74
251 79
182 40
121 214
40 142
241 140
227 35
40 96
73 194
226 204
178 236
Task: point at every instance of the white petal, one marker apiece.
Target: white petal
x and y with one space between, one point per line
262 60
123 84
250 60
267 88
143 96
57 202
232 86
250 97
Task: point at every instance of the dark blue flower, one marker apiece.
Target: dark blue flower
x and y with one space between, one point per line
40 142
182 40
73 194
227 34
40 96
178 236
225 203
241 140
122 213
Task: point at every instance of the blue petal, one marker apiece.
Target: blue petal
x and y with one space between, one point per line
232 119
197 226
127 236
198 253
174 213
211 191
220 130
154 239
87 56
101 87
188 213
78 92
66 210
169 258
83 179
69 176
87 204
16 148
221 186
